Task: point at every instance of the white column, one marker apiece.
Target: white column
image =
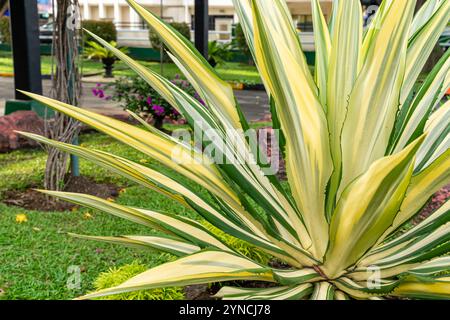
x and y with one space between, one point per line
117 13
86 12
134 19
187 18
101 9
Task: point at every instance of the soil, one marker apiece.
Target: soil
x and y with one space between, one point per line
33 200
435 203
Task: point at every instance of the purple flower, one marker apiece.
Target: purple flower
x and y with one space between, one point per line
99 85
149 101
158 110
202 102
98 93
177 76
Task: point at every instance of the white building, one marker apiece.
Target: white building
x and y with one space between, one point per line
132 31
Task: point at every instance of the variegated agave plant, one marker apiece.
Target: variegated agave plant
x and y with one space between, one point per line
363 148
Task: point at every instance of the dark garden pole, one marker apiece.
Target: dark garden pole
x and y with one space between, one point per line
201 26
26 47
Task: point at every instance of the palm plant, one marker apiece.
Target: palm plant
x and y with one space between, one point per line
364 152
98 52
218 53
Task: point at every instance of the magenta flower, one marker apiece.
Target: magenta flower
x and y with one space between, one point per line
149 101
158 110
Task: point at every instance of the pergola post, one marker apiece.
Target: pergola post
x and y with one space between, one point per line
201 26
26 47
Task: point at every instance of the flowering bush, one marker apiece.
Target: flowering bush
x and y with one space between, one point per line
136 95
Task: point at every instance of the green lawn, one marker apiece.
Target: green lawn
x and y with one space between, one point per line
35 255
229 72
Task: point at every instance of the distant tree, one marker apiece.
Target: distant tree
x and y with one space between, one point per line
5 32
104 29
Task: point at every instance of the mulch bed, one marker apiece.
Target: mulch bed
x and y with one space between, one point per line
33 200
435 203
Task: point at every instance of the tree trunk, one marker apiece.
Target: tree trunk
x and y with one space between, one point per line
66 88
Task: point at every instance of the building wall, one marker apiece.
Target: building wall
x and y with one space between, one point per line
132 30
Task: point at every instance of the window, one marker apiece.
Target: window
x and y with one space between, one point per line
212 21
305 22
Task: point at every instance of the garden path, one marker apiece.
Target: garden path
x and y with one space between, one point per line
254 103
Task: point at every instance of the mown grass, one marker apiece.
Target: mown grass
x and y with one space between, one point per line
35 256
230 71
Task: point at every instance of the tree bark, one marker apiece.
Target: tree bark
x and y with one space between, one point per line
66 88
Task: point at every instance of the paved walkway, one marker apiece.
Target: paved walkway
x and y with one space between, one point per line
253 103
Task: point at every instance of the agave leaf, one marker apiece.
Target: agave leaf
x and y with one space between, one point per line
422 187
418 251
440 265
400 242
438 139
361 291
203 267
424 248
244 11
374 28
323 291
423 15
259 187
367 208
308 162
152 243
323 48
421 45
277 293
424 290
339 295
203 78
293 277
181 227
342 73
195 166
412 118
373 103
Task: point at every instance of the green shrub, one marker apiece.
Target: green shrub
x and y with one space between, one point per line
240 43
5 31
181 27
116 276
104 29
